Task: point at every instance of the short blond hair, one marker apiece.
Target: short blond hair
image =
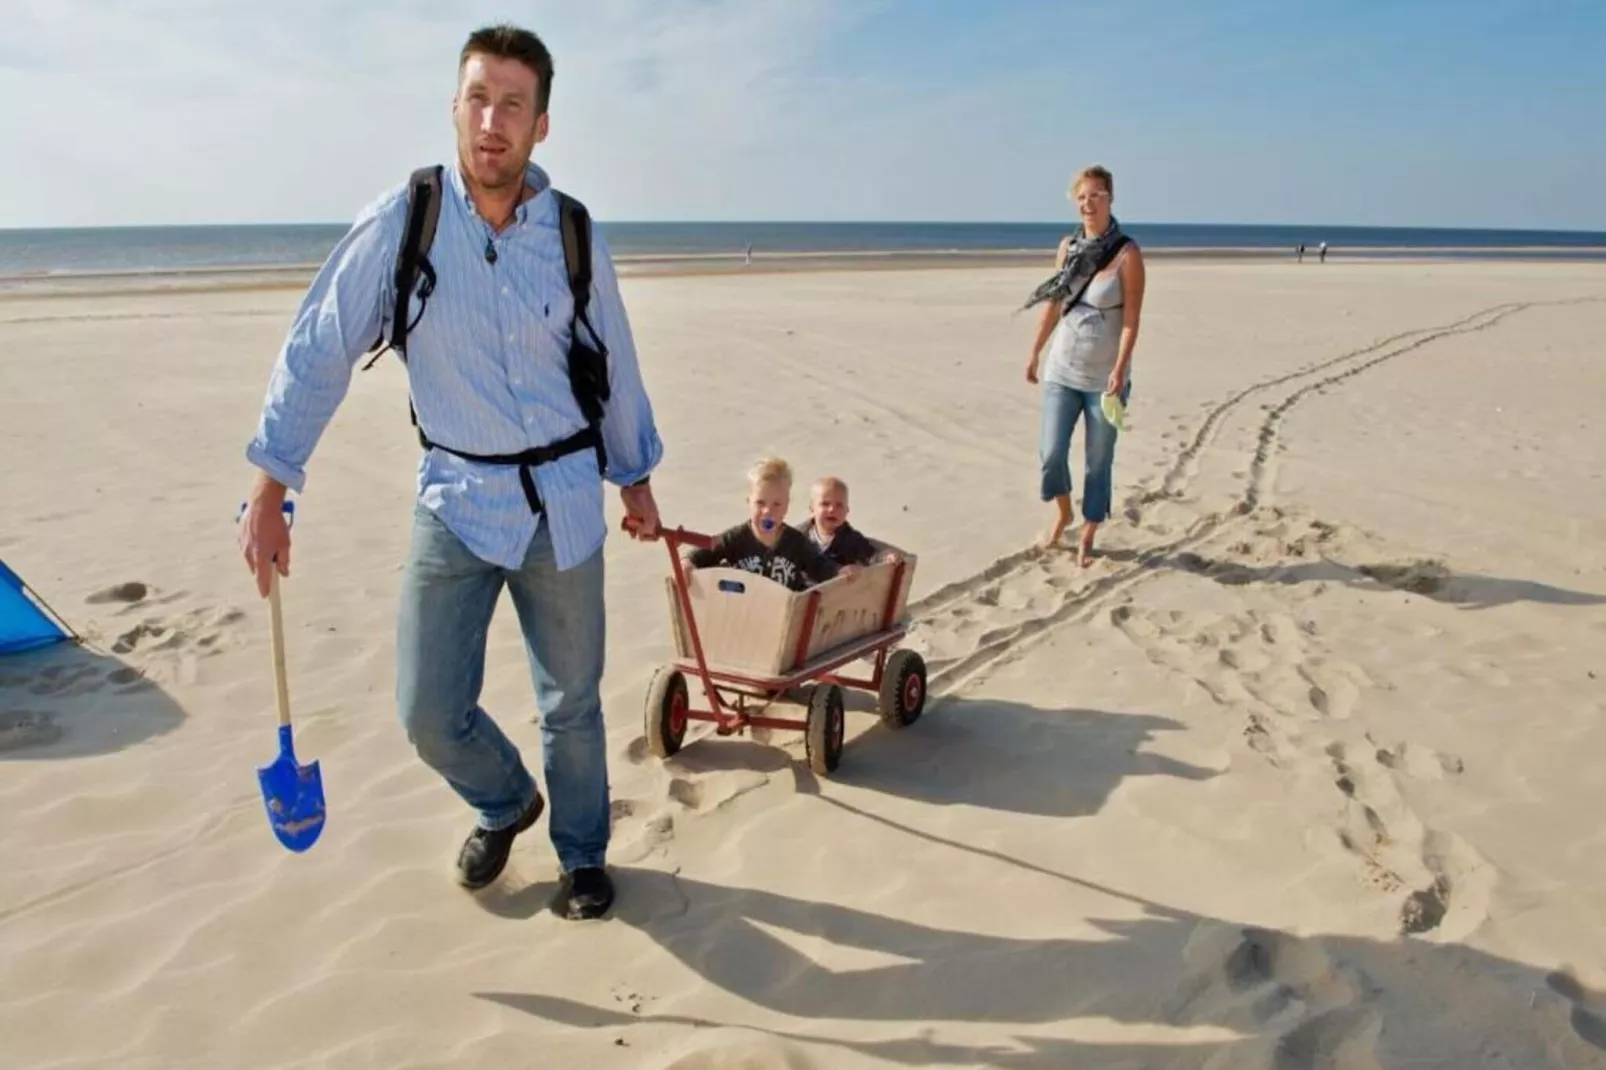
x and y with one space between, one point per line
1097 173
770 470
825 483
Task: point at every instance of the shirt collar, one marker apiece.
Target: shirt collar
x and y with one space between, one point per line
535 178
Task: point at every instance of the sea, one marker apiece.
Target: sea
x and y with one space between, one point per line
99 250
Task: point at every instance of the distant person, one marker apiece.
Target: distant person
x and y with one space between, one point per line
1322 254
1094 303
747 255
1299 251
523 508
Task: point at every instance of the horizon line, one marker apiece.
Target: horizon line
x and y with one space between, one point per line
1067 223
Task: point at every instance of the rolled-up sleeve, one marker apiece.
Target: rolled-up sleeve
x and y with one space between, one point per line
628 430
337 322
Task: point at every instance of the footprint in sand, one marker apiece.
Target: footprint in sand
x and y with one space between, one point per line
146 635
656 831
686 793
59 682
1267 973
202 629
130 592
1589 1008
1417 577
1418 761
1403 853
24 730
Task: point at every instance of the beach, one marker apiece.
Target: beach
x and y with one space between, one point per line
1296 773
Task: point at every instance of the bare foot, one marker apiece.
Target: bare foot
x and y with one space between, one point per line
1084 549
1056 530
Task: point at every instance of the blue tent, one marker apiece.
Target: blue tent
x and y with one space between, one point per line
24 624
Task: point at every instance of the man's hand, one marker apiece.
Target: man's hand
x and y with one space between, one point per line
263 535
641 512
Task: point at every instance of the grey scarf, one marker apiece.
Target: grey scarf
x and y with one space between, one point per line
1083 260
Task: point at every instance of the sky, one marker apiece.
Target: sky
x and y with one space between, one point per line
1460 113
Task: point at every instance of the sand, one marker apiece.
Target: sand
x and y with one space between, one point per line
1301 772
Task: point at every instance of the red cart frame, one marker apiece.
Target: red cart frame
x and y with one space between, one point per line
737 700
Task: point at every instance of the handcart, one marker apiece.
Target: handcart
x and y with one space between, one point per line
752 642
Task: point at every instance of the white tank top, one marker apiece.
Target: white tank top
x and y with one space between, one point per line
1083 349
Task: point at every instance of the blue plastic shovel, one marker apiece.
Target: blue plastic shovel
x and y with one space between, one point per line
292 793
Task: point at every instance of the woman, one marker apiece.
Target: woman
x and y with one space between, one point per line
1090 317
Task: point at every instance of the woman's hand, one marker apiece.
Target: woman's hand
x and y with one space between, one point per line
1031 369
1116 382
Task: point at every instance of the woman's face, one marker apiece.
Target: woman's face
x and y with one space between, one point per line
1093 203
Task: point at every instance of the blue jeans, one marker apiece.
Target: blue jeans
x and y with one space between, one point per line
1062 407
447 598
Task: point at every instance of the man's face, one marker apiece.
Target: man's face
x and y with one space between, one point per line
497 125
830 508
767 504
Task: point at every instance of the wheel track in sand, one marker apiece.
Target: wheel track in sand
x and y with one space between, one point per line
948 607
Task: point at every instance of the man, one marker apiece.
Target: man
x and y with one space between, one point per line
486 364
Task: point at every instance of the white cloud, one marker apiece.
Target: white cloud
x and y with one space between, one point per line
173 111
198 111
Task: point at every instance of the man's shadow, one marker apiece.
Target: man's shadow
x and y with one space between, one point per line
72 700
1292 1000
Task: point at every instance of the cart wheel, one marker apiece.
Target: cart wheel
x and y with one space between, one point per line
823 740
903 689
665 712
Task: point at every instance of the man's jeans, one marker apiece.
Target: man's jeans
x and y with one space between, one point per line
1062 406
447 599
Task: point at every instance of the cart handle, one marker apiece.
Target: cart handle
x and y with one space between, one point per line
676 536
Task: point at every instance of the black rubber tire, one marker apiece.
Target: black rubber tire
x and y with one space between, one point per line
665 731
827 725
903 689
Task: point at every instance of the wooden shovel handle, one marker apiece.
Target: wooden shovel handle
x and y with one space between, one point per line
281 689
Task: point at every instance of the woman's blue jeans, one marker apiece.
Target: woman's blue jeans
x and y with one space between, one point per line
1063 406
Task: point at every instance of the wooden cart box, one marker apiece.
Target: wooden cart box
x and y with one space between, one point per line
752 625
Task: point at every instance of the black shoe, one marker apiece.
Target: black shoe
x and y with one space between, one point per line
484 853
584 894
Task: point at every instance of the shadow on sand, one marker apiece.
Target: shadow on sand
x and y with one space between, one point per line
72 700
1290 1001
1428 578
1264 998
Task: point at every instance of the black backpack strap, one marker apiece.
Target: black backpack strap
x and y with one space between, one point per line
412 259
588 361
574 221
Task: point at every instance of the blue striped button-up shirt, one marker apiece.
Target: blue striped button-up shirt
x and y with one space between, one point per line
487 367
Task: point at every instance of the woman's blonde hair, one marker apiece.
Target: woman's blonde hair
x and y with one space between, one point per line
1096 173
770 470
